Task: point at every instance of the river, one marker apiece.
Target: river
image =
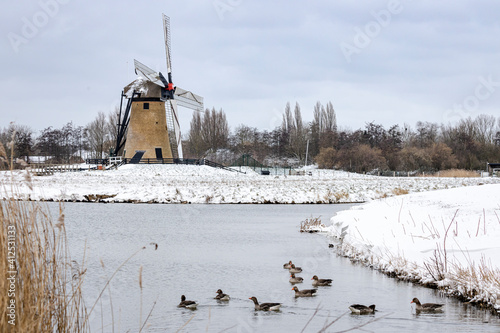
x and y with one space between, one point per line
240 249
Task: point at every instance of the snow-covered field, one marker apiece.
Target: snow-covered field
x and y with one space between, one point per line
445 232
445 238
203 184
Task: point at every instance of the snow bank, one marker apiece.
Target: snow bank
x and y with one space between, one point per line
445 238
203 184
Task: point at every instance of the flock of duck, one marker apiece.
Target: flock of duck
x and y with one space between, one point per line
292 269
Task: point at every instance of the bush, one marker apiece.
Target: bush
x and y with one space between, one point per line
442 157
361 158
326 158
413 158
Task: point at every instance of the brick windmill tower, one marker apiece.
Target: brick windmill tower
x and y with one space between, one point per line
149 127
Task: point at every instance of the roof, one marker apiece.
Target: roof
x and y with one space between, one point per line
494 165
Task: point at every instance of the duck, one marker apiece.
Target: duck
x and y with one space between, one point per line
295 279
321 282
304 292
221 296
426 307
187 304
287 265
294 269
265 306
362 309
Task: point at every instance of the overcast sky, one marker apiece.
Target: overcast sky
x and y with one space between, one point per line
391 62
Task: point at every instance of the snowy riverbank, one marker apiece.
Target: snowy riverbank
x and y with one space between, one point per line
203 184
446 238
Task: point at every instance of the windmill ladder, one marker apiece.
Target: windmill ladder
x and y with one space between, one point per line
171 130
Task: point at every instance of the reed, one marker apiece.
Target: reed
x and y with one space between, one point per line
456 173
41 290
399 191
45 295
312 224
474 281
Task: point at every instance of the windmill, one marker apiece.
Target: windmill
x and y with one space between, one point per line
149 127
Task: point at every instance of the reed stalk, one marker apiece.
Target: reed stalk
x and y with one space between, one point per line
37 291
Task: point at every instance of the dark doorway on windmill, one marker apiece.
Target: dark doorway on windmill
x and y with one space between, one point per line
145 106
159 154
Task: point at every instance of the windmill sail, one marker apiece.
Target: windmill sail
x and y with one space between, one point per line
148 73
185 99
188 99
166 31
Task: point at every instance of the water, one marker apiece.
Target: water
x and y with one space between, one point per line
240 249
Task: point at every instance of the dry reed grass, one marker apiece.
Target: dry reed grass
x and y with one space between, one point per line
455 173
312 224
470 282
45 295
474 280
399 191
41 290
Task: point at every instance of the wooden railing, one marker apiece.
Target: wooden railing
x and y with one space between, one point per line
49 169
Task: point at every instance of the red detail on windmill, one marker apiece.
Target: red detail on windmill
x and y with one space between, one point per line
170 86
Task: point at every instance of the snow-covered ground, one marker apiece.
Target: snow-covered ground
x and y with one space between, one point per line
203 184
446 238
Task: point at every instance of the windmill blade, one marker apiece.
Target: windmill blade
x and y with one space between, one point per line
166 32
148 73
188 100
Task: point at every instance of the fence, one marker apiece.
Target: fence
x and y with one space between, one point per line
246 160
49 169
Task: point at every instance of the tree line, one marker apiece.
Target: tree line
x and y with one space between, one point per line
68 144
467 144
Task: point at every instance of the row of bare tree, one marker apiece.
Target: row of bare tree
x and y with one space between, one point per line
67 144
467 144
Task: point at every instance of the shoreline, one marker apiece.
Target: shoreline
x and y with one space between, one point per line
446 240
480 304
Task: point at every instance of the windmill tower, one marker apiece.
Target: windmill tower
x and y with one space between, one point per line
149 126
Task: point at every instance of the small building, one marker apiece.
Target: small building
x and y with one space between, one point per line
493 168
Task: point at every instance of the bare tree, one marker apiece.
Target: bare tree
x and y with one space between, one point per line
23 141
48 144
112 125
98 136
485 129
316 128
196 145
426 134
215 129
288 123
497 136
329 119
298 135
